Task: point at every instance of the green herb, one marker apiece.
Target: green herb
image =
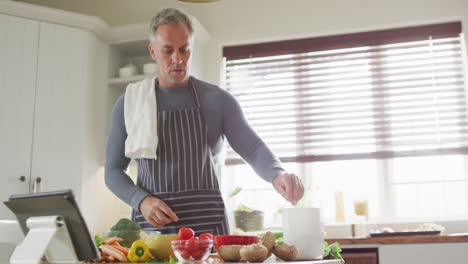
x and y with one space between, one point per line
98 239
278 238
332 251
172 259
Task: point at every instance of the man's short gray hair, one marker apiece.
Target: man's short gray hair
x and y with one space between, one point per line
169 16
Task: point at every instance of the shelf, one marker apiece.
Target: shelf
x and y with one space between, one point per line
126 80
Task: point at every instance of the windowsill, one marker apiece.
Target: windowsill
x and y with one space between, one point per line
343 230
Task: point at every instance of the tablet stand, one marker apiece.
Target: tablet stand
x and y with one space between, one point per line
48 236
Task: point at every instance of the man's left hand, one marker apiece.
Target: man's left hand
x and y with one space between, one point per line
289 186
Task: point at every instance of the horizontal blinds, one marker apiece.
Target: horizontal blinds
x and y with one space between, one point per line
398 99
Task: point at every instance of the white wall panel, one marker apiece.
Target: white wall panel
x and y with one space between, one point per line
18 59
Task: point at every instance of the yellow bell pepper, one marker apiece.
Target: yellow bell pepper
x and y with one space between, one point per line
139 252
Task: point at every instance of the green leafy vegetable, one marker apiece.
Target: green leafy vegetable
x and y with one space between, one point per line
125 224
98 239
278 238
332 251
127 230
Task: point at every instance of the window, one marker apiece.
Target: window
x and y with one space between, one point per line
378 115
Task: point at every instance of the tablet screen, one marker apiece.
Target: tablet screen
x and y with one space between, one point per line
56 203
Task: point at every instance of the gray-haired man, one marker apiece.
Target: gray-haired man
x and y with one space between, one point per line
180 187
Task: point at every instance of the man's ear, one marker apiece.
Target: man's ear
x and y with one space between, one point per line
152 51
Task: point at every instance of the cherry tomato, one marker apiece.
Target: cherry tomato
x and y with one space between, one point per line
185 233
192 244
206 236
198 255
185 254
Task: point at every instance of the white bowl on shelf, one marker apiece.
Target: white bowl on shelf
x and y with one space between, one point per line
127 71
150 68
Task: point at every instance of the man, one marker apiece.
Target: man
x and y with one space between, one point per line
176 183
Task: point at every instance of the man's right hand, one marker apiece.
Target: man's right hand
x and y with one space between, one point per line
156 212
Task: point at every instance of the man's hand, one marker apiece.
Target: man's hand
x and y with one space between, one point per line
156 212
289 186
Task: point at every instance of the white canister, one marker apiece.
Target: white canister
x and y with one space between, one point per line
303 229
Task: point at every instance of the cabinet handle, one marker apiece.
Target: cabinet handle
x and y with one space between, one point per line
37 185
22 178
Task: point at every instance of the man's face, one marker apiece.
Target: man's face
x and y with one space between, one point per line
172 50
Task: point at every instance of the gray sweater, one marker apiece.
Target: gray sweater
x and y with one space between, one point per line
224 119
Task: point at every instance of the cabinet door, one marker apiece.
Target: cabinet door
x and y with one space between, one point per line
430 253
60 107
360 258
360 255
18 63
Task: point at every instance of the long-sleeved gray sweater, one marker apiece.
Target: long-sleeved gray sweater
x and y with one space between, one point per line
224 119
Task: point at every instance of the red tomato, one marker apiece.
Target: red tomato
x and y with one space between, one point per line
206 236
185 233
192 244
198 255
185 254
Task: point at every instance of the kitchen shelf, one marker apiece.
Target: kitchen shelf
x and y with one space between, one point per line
126 80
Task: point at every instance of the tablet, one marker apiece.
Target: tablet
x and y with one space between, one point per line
56 203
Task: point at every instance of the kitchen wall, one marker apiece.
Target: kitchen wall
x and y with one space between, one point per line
246 21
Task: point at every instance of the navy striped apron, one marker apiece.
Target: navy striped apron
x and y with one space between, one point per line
183 176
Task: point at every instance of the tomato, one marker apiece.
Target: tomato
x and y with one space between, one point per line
206 236
185 233
185 254
198 255
192 244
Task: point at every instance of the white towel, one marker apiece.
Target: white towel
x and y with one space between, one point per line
140 114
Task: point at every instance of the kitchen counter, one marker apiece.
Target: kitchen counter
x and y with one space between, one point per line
335 261
402 240
272 261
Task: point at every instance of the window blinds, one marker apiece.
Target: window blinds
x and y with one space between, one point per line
401 94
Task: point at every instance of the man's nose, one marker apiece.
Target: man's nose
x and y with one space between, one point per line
176 58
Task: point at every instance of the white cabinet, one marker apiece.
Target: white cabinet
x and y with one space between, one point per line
18 52
52 117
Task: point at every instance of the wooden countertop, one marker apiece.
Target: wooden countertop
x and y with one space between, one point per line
401 240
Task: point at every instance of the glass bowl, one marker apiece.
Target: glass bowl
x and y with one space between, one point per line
158 244
192 249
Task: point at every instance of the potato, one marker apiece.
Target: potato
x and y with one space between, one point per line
230 253
254 253
286 252
268 240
